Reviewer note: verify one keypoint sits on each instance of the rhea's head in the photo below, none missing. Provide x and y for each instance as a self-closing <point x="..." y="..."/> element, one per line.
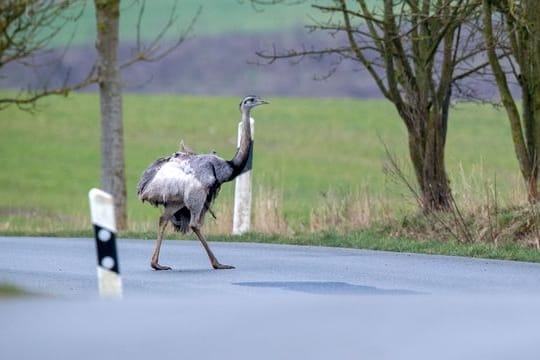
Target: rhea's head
<point x="251" y="101"/>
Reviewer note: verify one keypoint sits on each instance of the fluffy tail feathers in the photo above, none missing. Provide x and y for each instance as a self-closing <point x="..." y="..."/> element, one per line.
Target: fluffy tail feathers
<point x="181" y="220"/>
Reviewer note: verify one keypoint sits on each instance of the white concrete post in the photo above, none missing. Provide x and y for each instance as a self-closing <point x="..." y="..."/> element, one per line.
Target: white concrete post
<point x="103" y="221"/>
<point x="242" y="192"/>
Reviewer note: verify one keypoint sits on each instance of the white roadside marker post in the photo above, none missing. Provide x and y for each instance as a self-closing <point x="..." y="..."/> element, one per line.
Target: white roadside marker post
<point x="108" y="271"/>
<point x="242" y="191"/>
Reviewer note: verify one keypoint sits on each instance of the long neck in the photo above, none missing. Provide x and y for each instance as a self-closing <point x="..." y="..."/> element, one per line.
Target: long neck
<point x="238" y="163"/>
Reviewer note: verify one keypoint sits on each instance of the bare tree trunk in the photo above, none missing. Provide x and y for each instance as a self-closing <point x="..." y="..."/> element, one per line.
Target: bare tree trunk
<point x="414" y="51"/>
<point x="426" y="149"/>
<point x="522" y="27"/>
<point x="533" y="10"/>
<point x="112" y="139"/>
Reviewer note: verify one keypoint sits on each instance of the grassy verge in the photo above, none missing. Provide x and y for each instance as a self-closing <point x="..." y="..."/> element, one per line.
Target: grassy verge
<point x="8" y="291"/>
<point x="373" y="239"/>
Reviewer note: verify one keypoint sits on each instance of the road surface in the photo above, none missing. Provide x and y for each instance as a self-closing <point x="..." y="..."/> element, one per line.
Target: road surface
<point x="281" y="302"/>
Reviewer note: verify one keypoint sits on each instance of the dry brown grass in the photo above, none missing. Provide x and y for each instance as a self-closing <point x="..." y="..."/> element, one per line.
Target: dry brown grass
<point x="336" y="212"/>
<point x="222" y="224"/>
<point x="268" y="216"/>
<point x="345" y="213"/>
<point x="480" y="214"/>
<point x="517" y="225"/>
<point x="30" y="220"/>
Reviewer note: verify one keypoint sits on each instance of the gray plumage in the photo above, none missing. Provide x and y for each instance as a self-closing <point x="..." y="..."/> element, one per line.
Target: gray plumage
<point x="210" y="171"/>
<point x="186" y="184"/>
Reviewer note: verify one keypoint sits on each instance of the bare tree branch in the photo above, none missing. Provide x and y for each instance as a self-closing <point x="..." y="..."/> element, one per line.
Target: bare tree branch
<point x="28" y="28"/>
<point x="415" y="51"/>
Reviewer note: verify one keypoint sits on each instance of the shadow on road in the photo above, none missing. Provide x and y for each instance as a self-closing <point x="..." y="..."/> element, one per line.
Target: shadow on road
<point x="327" y="288"/>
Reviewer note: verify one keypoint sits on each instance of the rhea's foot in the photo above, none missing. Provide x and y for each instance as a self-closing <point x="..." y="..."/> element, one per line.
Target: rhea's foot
<point x="156" y="266"/>
<point x="219" y="266"/>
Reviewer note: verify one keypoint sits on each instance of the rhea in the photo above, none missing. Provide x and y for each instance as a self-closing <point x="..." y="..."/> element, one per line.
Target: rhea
<point x="185" y="184"/>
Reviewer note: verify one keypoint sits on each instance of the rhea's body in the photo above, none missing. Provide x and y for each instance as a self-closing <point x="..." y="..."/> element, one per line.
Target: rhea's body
<point x="186" y="184"/>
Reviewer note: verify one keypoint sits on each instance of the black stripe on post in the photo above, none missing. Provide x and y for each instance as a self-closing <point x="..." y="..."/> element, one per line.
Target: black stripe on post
<point x="106" y="248"/>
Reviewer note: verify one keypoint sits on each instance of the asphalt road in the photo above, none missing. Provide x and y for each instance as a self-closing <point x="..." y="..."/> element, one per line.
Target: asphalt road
<point x="281" y="302"/>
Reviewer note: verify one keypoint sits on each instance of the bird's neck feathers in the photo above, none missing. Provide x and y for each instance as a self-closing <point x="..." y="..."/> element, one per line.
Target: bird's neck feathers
<point x="240" y="159"/>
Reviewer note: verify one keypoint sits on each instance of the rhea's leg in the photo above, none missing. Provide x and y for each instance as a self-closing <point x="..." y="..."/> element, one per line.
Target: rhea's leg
<point x="215" y="263"/>
<point x="163" y="221"/>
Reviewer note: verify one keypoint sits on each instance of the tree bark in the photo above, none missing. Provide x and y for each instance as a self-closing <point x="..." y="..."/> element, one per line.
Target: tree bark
<point x="523" y="30"/>
<point x="422" y="105"/>
<point x="426" y="150"/>
<point x="110" y="89"/>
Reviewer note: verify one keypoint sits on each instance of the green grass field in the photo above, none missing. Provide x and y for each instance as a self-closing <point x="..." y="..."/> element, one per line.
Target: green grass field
<point x="304" y="150"/>
<point x="215" y="17"/>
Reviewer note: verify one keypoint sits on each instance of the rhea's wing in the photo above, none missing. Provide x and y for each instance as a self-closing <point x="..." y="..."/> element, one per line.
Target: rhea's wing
<point x="210" y="168"/>
<point x="211" y="171"/>
<point x="150" y="172"/>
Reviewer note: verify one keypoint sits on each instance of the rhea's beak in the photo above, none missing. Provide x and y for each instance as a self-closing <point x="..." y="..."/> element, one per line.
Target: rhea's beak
<point x="261" y="101"/>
